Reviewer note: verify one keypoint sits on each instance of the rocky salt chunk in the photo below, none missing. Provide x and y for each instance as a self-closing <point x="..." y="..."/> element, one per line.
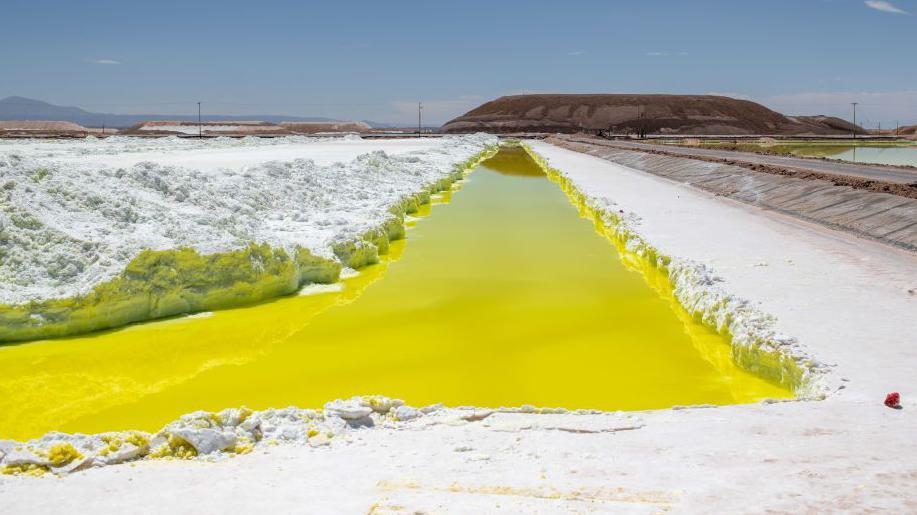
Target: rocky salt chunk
<point x="126" y="452"/>
<point x="351" y="409"/>
<point x="405" y="413"/>
<point x="25" y="457"/>
<point x="207" y="441"/>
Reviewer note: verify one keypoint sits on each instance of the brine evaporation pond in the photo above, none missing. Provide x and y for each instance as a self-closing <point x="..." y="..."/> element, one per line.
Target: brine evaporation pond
<point x="501" y="295"/>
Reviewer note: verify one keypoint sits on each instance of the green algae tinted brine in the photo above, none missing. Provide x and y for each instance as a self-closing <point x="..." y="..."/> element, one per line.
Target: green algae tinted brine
<point x="502" y="296"/>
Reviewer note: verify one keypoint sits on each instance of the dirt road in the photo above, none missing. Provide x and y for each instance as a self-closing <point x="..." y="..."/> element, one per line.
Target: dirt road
<point x="815" y="197"/>
<point x="874" y="172"/>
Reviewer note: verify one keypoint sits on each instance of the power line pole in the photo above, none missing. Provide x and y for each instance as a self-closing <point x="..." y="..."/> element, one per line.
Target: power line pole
<point x="642" y="116"/>
<point x="419" y="117"/>
<point x="200" y="130"/>
<point x="854" y="119"/>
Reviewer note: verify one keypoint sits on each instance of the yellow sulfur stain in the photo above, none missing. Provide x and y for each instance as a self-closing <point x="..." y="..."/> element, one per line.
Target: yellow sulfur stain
<point x="63" y="453"/>
<point x="243" y="446"/>
<point x="175" y="447"/>
<point x="505" y="296"/>
<point x="24" y="470"/>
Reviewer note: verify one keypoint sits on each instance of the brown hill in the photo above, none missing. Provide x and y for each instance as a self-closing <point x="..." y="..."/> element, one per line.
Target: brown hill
<point x="827" y="123"/>
<point x="40" y="128"/>
<point x="905" y="131"/>
<point x="656" y="114"/>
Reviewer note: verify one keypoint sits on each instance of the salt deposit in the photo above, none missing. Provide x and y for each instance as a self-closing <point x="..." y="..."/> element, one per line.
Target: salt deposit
<point x="194" y="129"/>
<point x="76" y="213"/>
<point x="209" y="154"/>
<point x="229" y="432"/>
<point x="756" y="343"/>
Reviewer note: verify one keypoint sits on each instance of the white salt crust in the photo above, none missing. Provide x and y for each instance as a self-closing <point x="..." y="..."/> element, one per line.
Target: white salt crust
<point x="74" y="214"/>
<point x="699" y="290"/>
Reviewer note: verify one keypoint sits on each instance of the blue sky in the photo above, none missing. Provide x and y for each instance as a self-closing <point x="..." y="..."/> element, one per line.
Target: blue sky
<point x="375" y="60"/>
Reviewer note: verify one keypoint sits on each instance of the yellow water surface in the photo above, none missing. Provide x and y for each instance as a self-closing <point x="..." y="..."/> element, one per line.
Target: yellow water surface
<point x="501" y="295"/>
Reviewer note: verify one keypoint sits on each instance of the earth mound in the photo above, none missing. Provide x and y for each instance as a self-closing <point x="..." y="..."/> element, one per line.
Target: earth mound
<point x="625" y="113"/>
<point x="828" y="123"/>
<point x="905" y="131"/>
<point x="41" y="128"/>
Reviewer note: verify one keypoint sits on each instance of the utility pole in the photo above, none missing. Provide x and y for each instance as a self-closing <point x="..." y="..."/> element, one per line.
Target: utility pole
<point x="641" y="110"/>
<point x="854" y="119"/>
<point x="897" y="125"/>
<point x="200" y="130"/>
<point x="419" y="117"/>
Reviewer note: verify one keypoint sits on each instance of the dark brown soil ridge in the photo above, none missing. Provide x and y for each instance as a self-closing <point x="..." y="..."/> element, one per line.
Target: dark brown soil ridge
<point x="631" y="114"/>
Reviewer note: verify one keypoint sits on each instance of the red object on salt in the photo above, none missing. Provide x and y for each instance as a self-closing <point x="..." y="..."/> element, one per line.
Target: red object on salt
<point x="893" y="400"/>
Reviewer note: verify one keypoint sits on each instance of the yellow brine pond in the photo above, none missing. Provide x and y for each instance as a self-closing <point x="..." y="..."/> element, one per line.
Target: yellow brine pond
<point x="501" y="295"/>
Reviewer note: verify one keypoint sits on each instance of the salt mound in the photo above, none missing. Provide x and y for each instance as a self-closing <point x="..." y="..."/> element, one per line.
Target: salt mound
<point x="70" y="224"/>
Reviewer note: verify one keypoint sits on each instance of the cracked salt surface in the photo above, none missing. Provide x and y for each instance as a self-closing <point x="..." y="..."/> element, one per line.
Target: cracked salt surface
<point x="74" y="214"/>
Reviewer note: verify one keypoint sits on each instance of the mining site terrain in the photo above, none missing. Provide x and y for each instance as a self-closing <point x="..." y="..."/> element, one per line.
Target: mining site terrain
<point x="813" y="281"/>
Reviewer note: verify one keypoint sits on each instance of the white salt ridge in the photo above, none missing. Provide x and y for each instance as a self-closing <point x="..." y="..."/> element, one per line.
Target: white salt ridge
<point x="697" y="288"/>
<point x="208" y="155"/>
<point x="116" y="145"/>
<point x="240" y="430"/>
<point x="193" y="129"/>
<point x="70" y="220"/>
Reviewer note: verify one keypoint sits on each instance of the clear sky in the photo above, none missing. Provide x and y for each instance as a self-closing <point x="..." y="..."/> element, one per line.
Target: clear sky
<point x="375" y="60"/>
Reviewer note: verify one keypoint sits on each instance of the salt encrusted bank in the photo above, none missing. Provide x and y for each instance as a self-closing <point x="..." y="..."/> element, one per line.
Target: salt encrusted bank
<point x="757" y="345"/>
<point x="227" y="433"/>
<point x="95" y="235"/>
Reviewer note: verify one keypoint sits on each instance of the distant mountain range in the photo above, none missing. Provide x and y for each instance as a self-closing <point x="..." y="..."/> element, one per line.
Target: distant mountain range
<point x="21" y="108"/>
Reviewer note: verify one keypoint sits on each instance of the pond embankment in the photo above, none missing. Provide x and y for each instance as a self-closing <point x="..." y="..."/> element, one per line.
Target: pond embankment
<point x="884" y="217"/>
